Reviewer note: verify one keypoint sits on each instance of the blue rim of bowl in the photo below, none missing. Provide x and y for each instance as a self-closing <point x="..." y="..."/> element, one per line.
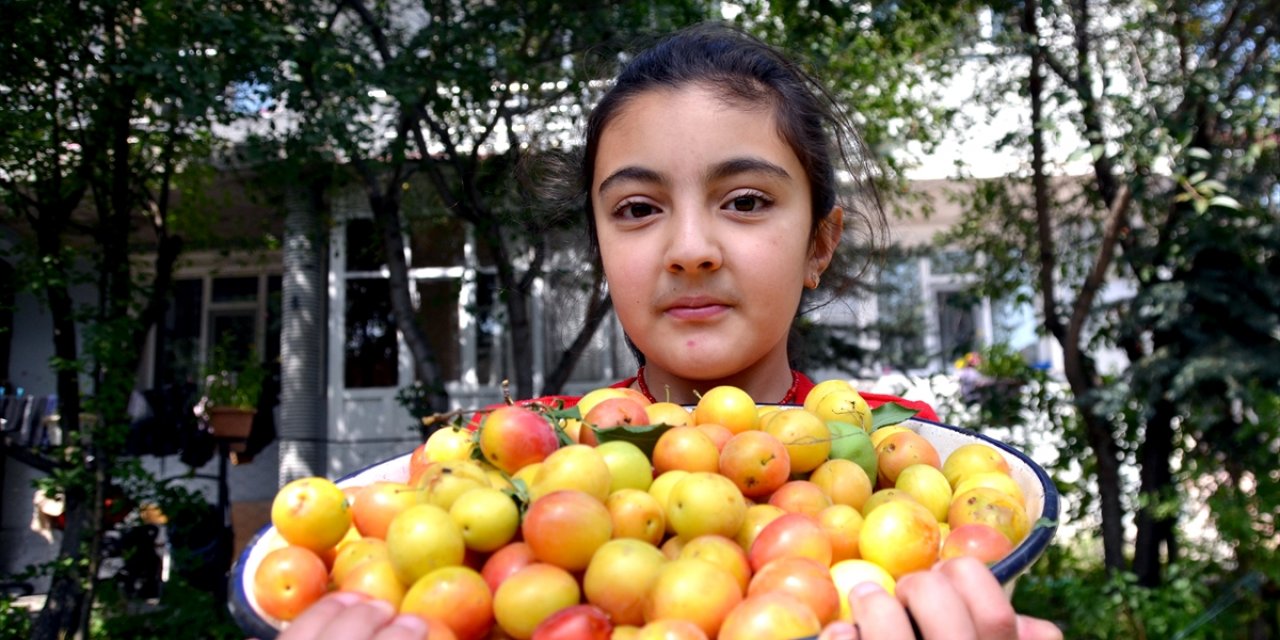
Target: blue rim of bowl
<point x="1042" y="531"/>
<point x="1008" y="568"/>
<point x="238" y="600"/>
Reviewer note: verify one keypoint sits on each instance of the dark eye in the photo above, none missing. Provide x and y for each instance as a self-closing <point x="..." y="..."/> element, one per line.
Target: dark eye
<point x="746" y="203"/>
<point x="637" y="210"/>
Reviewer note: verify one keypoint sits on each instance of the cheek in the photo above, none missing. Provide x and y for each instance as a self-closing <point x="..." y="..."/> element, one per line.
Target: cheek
<point x="623" y="272"/>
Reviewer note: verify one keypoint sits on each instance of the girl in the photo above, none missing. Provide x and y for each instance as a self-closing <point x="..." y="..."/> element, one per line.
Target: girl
<point x="710" y="173"/>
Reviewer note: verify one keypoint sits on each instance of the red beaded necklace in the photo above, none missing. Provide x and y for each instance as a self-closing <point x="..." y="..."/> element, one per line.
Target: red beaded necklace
<point x="788" y="398"/>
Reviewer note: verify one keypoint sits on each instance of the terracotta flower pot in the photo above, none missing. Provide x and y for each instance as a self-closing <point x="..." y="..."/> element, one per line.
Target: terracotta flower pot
<point x="230" y="422"/>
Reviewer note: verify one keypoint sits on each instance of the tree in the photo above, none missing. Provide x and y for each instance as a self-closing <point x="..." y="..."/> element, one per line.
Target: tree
<point x="454" y="93"/>
<point x="1176" y="105"/>
<point x="106" y="118"/>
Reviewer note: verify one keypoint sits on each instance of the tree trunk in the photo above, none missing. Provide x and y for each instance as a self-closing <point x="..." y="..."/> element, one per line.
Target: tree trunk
<point x="1110" y="487"/>
<point x="1156" y="479"/>
<point x="66" y="592"/>
<point x="386" y="211"/>
<point x="515" y="297"/>
<point x="1079" y="371"/>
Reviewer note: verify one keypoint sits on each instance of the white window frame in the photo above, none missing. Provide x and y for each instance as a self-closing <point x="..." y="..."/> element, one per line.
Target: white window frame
<point x="207" y="268"/>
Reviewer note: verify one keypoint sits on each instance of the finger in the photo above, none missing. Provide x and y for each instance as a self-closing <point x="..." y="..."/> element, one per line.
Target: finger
<point x="877" y="614"/>
<point x="838" y="630"/>
<point x="360" y="620"/>
<point x="940" y="611"/>
<point x="319" y="615"/>
<point x="403" y="627"/>
<point x="993" y="616"/>
<point x="1036" y="629"/>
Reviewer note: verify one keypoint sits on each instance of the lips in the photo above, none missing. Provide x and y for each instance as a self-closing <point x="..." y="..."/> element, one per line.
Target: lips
<point x="696" y="307"/>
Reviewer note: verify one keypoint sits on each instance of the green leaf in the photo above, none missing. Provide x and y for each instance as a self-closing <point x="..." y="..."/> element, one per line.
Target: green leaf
<point x="643" y="436"/>
<point x="1199" y="153"/>
<point x="572" y="413"/>
<point x="1224" y="201"/>
<point x="520" y="493"/>
<point x="890" y="413"/>
<point x="1044" y="523"/>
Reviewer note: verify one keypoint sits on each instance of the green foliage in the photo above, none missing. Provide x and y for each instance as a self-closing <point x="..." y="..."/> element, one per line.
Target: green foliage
<point x="416" y="399"/>
<point x="15" y="621"/>
<point x="1184" y="420"/>
<point x="1197" y="600"/>
<point x="182" y="611"/>
<point x="106" y="116"/>
<point x="231" y="381"/>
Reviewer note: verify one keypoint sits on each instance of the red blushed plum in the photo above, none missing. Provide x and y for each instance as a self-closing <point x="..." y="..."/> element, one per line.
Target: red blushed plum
<point x="579" y="622"/>
<point x="694" y="590"/>
<point x="512" y="437"/>
<point x="808" y="580"/>
<point x="790" y="535"/>
<point x="565" y="528"/>
<point x="800" y="496"/>
<point x="756" y="462"/>
<point x="610" y="414"/>
<point x="770" y="616"/>
<point x="687" y="449"/>
<point x="456" y="596"/>
<point x="506" y="561"/>
<point x="976" y="540"/>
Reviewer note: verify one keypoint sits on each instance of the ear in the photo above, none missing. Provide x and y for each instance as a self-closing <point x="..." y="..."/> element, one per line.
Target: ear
<point x="823" y="247"/>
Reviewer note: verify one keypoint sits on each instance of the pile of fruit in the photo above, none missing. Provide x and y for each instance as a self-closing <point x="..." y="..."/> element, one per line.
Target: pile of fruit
<point x="628" y="519"/>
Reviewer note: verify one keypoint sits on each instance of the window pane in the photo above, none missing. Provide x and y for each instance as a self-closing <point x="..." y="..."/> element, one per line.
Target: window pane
<point x="436" y="241"/>
<point x="438" y="316"/>
<point x="372" y="351"/>
<point x="274" y="324"/>
<point x="364" y="246"/>
<point x="241" y="289"/>
<point x="956" y="324"/>
<point x="178" y="340"/>
<point x="899" y="321"/>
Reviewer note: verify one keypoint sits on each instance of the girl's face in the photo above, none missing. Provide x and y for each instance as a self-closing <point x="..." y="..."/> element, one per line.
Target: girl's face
<point x="702" y="214"/>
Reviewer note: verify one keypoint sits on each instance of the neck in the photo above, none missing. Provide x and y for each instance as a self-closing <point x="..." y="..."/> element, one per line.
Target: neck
<point x="772" y="385"/>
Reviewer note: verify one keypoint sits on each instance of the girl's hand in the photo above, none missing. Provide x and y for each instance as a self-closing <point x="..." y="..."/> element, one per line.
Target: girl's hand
<point x="351" y="616"/>
<point x="957" y="599"/>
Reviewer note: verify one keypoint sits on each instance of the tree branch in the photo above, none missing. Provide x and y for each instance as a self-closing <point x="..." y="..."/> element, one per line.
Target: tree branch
<point x="371" y="22"/>
<point x="1117" y="219"/>
<point x="597" y="310"/>
<point x="447" y="195"/>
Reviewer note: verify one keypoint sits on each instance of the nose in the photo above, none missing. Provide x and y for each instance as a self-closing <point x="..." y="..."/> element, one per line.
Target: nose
<point x="693" y="244"/>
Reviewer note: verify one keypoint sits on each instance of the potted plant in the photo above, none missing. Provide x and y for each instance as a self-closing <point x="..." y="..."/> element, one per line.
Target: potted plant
<point x="231" y="391"/>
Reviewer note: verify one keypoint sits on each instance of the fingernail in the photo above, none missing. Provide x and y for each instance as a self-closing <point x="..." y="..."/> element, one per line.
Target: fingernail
<point x="347" y="597"/>
<point x="410" y="622"/>
<point x="383" y="606"/>
<point x="863" y="589"/>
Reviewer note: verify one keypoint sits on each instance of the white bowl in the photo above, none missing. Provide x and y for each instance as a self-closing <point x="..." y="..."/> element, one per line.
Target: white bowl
<point x="1040" y="492"/>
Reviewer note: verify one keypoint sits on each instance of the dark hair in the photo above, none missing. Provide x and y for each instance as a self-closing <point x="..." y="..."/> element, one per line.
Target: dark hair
<point x="749" y="71"/>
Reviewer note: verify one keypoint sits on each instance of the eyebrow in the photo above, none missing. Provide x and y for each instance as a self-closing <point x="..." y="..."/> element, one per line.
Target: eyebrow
<point x="748" y="164"/>
<point x="721" y="170"/>
<point x="633" y="173"/>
